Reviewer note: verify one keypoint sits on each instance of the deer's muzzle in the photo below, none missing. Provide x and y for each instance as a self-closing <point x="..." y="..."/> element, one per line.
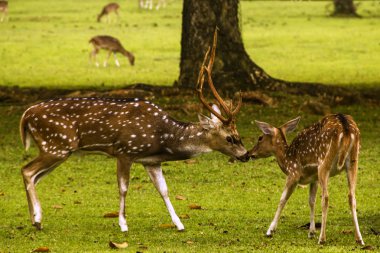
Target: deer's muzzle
<point x="243" y="158"/>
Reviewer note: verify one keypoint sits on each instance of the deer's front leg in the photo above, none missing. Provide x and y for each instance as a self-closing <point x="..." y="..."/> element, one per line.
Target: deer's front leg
<point x="312" y="195"/>
<point x="123" y="172"/>
<point x="289" y="188"/>
<point x="155" y="174"/>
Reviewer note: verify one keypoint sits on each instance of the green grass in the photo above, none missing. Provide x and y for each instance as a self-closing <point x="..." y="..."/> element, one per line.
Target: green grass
<point x="239" y="200"/>
<point x="45" y="43"/>
<point x="291" y="40"/>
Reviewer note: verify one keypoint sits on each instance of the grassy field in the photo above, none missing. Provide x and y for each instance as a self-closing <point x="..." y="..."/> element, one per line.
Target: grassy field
<point x="46" y="44"/>
<point x="238" y="200"/>
<point x="291" y="40"/>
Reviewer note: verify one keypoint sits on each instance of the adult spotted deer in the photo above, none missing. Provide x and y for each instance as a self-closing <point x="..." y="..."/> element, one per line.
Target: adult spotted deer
<point x="131" y="130"/>
<point x="320" y="151"/>
<point x="148" y="4"/>
<point x="113" y="46"/>
<point x="3" y="9"/>
<point x="107" y="10"/>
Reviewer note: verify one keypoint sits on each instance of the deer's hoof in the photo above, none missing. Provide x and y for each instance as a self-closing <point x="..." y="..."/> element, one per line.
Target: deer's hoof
<point x="311" y="235"/>
<point x="38" y="225"/>
<point x="321" y="242"/>
<point x="360" y="242"/>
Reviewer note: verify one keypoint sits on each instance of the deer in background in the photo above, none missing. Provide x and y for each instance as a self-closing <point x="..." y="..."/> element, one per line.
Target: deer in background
<point x="148" y="4"/>
<point x="107" y="10"/>
<point x="320" y="151"/>
<point x="3" y="9"/>
<point x="131" y="130"/>
<point x="113" y="46"/>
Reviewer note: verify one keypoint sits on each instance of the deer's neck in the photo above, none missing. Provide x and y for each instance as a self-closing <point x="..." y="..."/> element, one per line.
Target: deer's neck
<point x="282" y="154"/>
<point x="185" y="138"/>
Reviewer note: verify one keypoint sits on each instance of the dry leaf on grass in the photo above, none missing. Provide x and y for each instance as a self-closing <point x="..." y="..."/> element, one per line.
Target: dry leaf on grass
<point x="190" y="161"/>
<point x="368" y="247"/>
<point x="57" y="207"/>
<point x="111" y="215"/>
<point x="184" y="216"/>
<point x="348" y="231"/>
<point x="169" y="225"/>
<point x="180" y="197"/>
<point x="115" y="245"/>
<point x="41" y="249"/>
<point x="195" y="206"/>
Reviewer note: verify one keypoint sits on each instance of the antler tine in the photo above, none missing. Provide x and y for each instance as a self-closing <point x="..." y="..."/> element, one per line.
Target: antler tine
<point x="199" y="89"/>
<point x="237" y="109"/>
<point x="210" y="82"/>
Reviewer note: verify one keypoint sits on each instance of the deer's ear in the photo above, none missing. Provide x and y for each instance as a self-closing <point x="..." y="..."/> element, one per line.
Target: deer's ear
<point x="213" y="117"/>
<point x="206" y="122"/>
<point x="291" y="125"/>
<point x="265" y="127"/>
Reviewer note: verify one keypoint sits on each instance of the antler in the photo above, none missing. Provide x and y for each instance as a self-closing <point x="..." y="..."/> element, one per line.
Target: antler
<point x="227" y="109"/>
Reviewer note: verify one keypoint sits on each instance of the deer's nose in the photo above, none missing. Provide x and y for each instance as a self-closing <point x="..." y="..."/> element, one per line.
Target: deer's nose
<point x="244" y="158"/>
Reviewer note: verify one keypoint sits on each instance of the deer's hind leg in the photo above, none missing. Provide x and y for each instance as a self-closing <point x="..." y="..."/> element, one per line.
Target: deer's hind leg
<point x="32" y="173"/>
<point x="312" y="196"/>
<point x="352" y="169"/>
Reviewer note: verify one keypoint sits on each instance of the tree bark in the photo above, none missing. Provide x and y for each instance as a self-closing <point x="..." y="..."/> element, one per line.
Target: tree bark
<point x="233" y="68"/>
<point x="344" y="8"/>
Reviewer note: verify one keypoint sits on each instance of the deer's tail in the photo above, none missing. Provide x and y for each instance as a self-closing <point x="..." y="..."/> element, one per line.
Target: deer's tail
<point x="24" y="132"/>
<point x="346" y="140"/>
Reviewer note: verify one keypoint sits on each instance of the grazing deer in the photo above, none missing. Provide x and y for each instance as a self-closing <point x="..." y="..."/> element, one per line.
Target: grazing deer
<point x="3" y="9"/>
<point x="113" y="46"/>
<point x="131" y="130"/>
<point x="148" y="4"/>
<point x="109" y="8"/>
<point x="320" y="151"/>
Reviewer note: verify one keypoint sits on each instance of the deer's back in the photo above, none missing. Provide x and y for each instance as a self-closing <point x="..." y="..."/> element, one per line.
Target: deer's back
<point x="109" y="125"/>
<point x="106" y="42"/>
<point x="312" y="144"/>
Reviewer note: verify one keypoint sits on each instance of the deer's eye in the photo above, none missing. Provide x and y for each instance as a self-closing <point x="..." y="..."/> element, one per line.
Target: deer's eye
<point x="260" y="138"/>
<point x="230" y="139"/>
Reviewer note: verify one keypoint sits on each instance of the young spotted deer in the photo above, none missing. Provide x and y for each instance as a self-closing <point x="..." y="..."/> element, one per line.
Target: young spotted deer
<point x="107" y="10"/>
<point x="113" y="46"/>
<point x="131" y="130"/>
<point x="3" y="9"/>
<point x="320" y="151"/>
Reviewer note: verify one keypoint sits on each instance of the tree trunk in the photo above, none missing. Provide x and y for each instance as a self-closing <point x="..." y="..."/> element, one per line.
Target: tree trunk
<point x="233" y="69"/>
<point x="344" y="8"/>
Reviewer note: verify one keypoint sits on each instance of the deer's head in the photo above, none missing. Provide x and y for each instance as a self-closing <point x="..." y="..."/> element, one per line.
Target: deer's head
<point x="222" y="130"/>
<point x="273" y="138"/>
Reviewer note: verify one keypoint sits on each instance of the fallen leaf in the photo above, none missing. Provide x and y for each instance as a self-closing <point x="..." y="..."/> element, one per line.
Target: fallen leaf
<point x="77" y="202"/>
<point x="57" y="207"/>
<point x="115" y="245"/>
<point x="180" y="197"/>
<point x="189" y="242"/>
<point x="184" y="216"/>
<point x="111" y="215"/>
<point x="41" y="249"/>
<point x="368" y="247"/>
<point x="195" y="206"/>
<point x="190" y="161"/>
<point x="348" y="231"/>
<point x="168" y="225"/>
<point x="375" y="232"/>
<point x="137" y="187"/>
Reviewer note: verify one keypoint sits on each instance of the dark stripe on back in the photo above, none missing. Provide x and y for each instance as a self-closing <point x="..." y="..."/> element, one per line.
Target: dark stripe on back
<point x="345" y="123"/>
